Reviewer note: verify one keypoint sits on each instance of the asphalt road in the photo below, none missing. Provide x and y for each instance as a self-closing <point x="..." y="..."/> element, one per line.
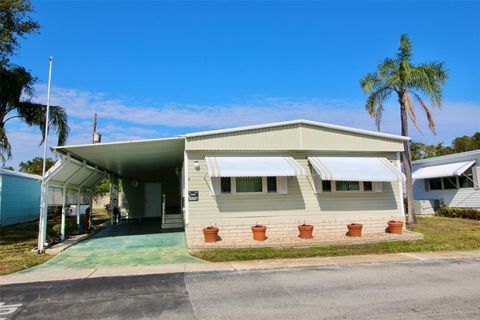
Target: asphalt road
<point x="414" y="290"/>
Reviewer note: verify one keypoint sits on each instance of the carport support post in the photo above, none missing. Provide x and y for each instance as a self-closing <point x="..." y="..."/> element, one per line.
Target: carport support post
<point x="64" y="202"/>
<point x="113" y="195"/>
<point x="78" y="207"/>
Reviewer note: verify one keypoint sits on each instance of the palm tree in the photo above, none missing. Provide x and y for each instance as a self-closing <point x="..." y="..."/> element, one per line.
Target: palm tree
<point x="409" y="82"/>
<point x="16" y="91"/>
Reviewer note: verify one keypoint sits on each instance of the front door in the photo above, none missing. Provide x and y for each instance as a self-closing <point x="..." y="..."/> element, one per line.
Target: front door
<point x="153" y="200"/>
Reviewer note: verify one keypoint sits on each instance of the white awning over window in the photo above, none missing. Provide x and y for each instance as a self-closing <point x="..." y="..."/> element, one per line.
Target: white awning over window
<point x="253" y="167"/>
<point x="355" y="169"/>
<point x="442" y="170"/>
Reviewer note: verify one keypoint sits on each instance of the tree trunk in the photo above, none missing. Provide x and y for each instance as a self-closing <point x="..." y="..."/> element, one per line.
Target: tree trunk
<point x="407" y="165"/>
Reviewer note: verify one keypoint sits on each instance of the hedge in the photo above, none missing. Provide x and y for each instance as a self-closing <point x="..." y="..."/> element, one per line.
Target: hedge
<point x="458" y="213"/>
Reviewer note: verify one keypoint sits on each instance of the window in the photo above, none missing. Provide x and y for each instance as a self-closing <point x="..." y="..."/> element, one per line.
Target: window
<point x="367" y="186"/>
<point x="347" y="186"/>
<point x="326" y="186"/>
<point x="449" y="183"/>
<point x="466" y="179"/>
<point x="226" y="185"/>
<point x="272" y="184"/>
<point x="435" y="184"/>
<point x="249" y="184"/>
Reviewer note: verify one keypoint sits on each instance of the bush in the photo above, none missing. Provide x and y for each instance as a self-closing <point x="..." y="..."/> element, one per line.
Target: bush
<point x="464" y="213"/>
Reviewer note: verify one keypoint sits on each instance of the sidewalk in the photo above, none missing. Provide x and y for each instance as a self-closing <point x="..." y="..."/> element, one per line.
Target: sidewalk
<point x="57" y="275"/>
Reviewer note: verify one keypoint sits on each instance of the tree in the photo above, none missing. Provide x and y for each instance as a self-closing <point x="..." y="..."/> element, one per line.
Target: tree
<point x="14" y="24"/>
<point x="8" y="168"/>
<point x="16" y="91"/>
<point x="407" y="82"/>
<point x="35" y="166"/>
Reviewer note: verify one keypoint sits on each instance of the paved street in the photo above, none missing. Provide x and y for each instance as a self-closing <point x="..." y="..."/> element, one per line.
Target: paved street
<point x="442" y="289"/>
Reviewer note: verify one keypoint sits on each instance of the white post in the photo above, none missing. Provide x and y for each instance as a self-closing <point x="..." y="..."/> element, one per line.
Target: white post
<point x="64" y="202"/>
<point x="42" y="223"/>
<point x="78" y="206"/>
<point x="185" y="194"/>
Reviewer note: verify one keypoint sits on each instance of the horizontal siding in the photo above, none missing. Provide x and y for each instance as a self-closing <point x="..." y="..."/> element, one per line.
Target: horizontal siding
<point x="463" y="197"/>
<point x="20" y="200"/>
<point x="293" y="137"/>
<point x="301" y="202"/>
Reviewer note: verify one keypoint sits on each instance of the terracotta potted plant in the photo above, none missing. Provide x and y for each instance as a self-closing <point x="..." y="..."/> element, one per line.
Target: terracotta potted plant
<point x="306" y="231"/>
<point x="210" y="233"/>
<point x="395" y="226"/>
<point x="354" y="229"/>
<point x="258" y="231"/>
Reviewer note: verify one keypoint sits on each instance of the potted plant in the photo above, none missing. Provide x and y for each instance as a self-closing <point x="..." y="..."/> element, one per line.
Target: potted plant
<point x="258" y="231"/>
<point x="210" y="234"/>
<point x="354" y="229"/>
<point x="395" y="226"/>
<point x="306" y="231"/>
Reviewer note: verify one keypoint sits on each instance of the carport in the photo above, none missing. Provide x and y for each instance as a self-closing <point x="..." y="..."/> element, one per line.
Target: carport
<point x="150" y="171"/>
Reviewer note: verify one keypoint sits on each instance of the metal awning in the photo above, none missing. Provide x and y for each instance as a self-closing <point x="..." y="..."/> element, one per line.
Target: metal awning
<point x="70" y="172"/>
<point x="253" y="167"/>
<point x="442" y="170"/>
<point x="355" y="169"/>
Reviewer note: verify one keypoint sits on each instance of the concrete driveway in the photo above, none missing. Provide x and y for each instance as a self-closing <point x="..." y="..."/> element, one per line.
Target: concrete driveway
<point x="133" y="243"/>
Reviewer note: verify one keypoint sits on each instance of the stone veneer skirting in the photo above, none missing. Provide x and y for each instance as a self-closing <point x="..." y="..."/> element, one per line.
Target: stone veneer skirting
<point x="234" y="231"/>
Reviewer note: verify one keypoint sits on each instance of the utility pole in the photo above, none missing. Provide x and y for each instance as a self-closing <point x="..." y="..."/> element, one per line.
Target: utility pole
<point x="94" y="127"/>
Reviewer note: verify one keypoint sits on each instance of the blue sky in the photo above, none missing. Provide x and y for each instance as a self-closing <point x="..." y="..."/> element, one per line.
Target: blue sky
<point x="156" y="69"/>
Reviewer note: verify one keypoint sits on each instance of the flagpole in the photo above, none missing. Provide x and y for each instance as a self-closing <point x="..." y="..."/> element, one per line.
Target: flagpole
<point x="44" y="192"/>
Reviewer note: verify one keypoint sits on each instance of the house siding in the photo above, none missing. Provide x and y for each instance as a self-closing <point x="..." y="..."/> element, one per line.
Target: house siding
<point x="20" y="200"/>
<point x="293" y="137"/>
<point x="463" y="197"/>
<point x="300" y="204"/>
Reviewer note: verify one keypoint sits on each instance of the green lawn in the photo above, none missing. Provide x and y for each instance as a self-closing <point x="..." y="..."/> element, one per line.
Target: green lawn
<point x="18" y="241"/>
<point x="440" y="234"/>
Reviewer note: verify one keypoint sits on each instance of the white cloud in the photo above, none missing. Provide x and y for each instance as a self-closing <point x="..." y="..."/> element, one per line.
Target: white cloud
<point x="121" y="120"/>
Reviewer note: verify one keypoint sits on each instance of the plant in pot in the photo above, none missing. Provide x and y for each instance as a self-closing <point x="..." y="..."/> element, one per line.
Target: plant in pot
<point x="305" y="230"/>
<point x="354" y="229"/>
<point x="258" y="232"/>
<point x="210" y="233"/>
<point x="395" y="226"/>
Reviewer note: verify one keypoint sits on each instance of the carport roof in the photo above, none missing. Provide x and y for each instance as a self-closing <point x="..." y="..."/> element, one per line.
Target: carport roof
<point x="131" y="159"/>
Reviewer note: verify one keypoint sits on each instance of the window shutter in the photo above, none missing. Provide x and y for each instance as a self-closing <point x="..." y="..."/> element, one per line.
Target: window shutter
<point x="427" y="184"/>
<point x="216" y="185"/>
<point x="378" y="186"/>
<point x="282" y="185"/>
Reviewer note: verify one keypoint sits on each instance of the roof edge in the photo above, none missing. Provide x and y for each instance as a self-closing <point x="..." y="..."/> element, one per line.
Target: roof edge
<point x="300" y="121"/>
<point x="20" y="174"/>
<point x="448" y="156"/>
<point x="181" y="137"/>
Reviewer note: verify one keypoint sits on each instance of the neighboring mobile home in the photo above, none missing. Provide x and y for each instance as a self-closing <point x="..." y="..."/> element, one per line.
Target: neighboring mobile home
<point x="279" y="174"/>
<point x="19" y="197"/>
<point x="451" y="180"/>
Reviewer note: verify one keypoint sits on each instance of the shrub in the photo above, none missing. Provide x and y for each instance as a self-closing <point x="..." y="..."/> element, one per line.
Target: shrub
<point x="465" y="213"/>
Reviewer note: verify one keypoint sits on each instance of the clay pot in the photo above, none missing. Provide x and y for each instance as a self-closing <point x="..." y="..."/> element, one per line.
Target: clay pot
<point x="259" y="232"/>
<point x="395" y="226"/>
<point x="306" y="231"/>
<point x="210" y="234"/>
<point x="354" y="229"/>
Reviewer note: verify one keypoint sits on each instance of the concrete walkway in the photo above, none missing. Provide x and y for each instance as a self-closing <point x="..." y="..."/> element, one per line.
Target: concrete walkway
<point x="50" y="275"/>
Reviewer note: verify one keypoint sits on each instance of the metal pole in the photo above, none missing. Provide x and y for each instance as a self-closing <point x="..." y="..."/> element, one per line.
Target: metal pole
<point x="94" y="127"/>
<point x="42" y="223"/>
<point x="64" y="202"/>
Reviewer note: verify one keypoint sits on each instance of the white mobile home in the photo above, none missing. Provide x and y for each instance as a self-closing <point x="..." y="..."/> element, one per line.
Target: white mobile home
<point x="279" y="174"/>
<point x="451" y="180"/>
